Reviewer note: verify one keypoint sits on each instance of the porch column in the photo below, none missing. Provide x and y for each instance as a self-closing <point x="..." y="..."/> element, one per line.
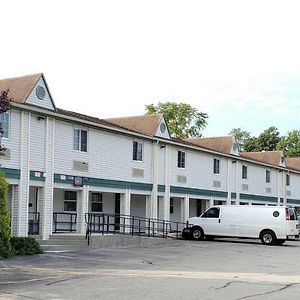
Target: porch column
<point x="125" y="208"/>
<point x="211" y="201"/>
<point x="148" y="206"/>
<point x="47" y="192"/>
<point x="82" y="209"/>
<point x="237" y="182"/>
<point x="14" y="210"/>
<point x="185" y="208"/>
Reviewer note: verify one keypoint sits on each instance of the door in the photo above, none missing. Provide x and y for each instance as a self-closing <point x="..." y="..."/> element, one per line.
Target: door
<point x="117" y="211"/>
<point x="210" y="221"/>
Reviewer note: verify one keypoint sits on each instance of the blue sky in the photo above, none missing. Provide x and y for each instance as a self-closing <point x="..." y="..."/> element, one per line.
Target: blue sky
<point x="236" y="60"/>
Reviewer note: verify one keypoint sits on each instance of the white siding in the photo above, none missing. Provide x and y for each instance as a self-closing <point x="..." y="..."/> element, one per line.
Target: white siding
<point x="109" y="155"/>
<point x="34" y="100"/>
<point x="12" y="142"/>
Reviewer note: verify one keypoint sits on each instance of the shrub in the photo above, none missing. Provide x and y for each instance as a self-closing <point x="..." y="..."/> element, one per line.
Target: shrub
<point x="25" y="246"/>
<point x="5" y="246"/>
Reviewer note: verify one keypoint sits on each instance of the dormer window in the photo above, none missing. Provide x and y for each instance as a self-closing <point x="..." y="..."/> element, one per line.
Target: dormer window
<point x="4" y="123"/>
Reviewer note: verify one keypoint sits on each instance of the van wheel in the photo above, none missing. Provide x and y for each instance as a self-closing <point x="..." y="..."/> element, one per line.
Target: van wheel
<point x="197" y="233"/>
<point x="268" y="237"/>
<point x="279" y="242"/>
<point x="210" y="237"/>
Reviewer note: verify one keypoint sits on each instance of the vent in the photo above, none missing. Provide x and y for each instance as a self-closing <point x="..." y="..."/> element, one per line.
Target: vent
<point x="288" y="193"/>
<point x="181" y="179"/>
<point x="5" y="154"/>
<point x="268" y="190"/>
<point x="80" y="166"/>
<point x="245" y="187"/>
<point x="217" y="183"/>
<point x="137" y="172"/>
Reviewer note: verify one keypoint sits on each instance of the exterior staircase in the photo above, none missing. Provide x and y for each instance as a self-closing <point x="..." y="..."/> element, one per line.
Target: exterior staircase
<point x="63" y="242"/>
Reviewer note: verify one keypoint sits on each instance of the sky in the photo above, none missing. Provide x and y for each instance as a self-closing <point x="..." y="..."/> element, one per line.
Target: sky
<point x="238" y="61"/>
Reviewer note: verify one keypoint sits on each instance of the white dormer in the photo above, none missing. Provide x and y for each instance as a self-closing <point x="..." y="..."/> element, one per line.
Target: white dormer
<point x="234" y="147"/>
<point x="40" y="95"/>
<point x="282" y="162"/>
<point x="162" y="129"/>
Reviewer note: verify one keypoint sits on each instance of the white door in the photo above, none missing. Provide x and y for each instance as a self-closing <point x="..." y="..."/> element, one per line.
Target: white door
<point x="210" y="221"/>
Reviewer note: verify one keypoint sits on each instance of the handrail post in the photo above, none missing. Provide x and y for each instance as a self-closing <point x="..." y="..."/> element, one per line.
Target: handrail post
<point x="149" y="227"/>
<point x="132" y="225"/>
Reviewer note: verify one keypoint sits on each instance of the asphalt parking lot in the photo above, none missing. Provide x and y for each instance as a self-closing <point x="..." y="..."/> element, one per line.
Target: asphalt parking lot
<point x="221" y="269"/>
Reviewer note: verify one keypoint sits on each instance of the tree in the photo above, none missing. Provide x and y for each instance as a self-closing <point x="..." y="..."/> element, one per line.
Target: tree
<point x="268" y="139"/>
<point x="183" y="120"/>
<point x="290" y="144"/>
<point x="240" y="137"/>
<point x="5" y="246"/>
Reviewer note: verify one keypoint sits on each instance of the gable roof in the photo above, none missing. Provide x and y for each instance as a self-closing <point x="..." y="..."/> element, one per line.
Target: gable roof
<point x="293" y="163"/>
<point x="269" y="157"/>
<point x="220" y="144"/>
<point x="20" y="87"/>
<point x="146" y="124"/>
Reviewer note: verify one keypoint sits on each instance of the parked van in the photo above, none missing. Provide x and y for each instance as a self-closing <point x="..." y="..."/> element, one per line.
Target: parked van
<point x="271" y="224"/>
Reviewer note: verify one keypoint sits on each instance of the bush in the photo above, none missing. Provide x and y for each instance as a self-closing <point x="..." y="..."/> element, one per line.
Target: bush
<point x="25" y="246"/>
<point x="5" y="246"/>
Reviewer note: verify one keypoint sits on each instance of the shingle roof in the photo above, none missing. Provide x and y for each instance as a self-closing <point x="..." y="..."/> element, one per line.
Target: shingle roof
<point x="293" y="163"/>
<point x="146" y="124"/>
<point x="269" y="157"/>
<point x="220" y="144"/>
<point x="20" y="87"/>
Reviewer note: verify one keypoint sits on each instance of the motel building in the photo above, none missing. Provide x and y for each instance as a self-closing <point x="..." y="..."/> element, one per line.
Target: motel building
<point x="64" y="166"/>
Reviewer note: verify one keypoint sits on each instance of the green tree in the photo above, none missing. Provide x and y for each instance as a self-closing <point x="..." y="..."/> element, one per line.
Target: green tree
<point x="5" y="246"/>
<point x="290" y="144"/>
<point x="183" y="120"/>
<point x="250" y="144"/>
<point x="268" y="139"/>
<point x="241" y="136"/>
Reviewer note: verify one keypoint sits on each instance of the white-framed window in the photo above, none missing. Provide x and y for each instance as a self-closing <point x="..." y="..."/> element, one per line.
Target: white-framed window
<point x="216" y="166"/>
<point x="4" y="123"/>
<point x="181" y="159"/>
<point x="268" y="176"/>
<point x="288" y="179"/>
<point x="137" y="151"/>
<point x="80" y="140"/>
<point x="244" y="172"/>
<point x="70" y="201"/>
<point x="96" y="202"/>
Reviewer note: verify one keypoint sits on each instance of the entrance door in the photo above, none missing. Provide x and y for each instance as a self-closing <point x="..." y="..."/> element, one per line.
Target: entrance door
<point x="117" y="211"/>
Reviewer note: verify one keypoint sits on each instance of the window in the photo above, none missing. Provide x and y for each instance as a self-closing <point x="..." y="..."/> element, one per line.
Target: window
<point x="216" y="166"/>
<point x="287" y="179"/>
<point x="70" y="201"/>
<point x="213" y="212"/>
<point x="137" y="153"/>
<point x="244" y="172"/>
<point x="96" y="202"/>
<point x="4" y="121"/>
<point x="268" y="176"/>
<point x="80" y="140"/>
<point x="181" y="159"/>
<point x="171" y="205"/>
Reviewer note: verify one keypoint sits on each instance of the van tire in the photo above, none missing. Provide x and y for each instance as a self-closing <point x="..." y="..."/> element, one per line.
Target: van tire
<point x="268" y="237"/>
<point x="197" y="233"/>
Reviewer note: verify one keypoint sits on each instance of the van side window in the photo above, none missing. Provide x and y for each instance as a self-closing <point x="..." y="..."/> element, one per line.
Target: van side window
<point x="213" y="212"/>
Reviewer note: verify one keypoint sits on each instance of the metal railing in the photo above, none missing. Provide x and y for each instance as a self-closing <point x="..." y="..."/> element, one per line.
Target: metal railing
<point x="131" y="225"/>
<point x="64" y="222"/>
<point x="33" y="223"/>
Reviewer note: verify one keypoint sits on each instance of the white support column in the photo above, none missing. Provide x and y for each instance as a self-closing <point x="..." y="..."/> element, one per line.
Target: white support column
<point x="278" y="186"/>
<point x="165" y="203"/>
<point x="185" y="208"/>
<point x="284" y="188"/>
<point x="82" y="209"/>
<point x="237" y="182"/>
<point x="229" y="171"/>
<point x="125" y="206"/>
<point x="154" y="212"/>
<point x="23" y="189"/>
<point x="211" y="201"/>
<point x="148" y="206"/>
<point x="47" y="202"/>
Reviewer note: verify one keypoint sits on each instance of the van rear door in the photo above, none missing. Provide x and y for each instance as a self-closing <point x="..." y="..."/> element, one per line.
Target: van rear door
<point x="292" y="222"/>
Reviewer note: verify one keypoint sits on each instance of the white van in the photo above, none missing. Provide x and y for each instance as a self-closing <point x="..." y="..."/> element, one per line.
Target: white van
<point x="271" y="224"/>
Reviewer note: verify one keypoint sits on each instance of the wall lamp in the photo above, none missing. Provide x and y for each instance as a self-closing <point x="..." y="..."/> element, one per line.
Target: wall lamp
<point x="41" y="118"/>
